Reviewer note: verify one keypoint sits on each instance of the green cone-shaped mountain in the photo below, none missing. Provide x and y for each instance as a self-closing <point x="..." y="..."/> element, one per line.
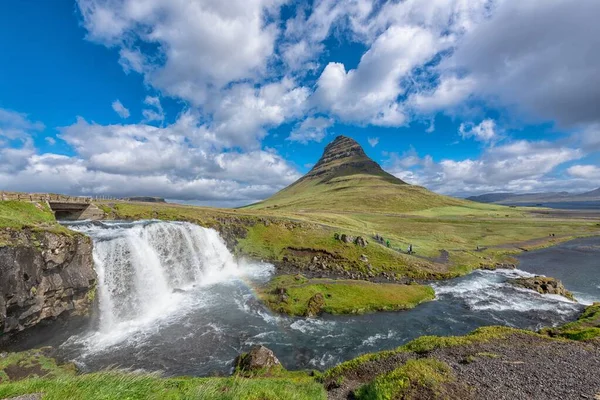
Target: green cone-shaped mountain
<point x="346" y="179"/>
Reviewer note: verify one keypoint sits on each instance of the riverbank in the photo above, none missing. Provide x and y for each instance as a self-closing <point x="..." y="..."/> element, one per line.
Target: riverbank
<point x="492" y="362"/>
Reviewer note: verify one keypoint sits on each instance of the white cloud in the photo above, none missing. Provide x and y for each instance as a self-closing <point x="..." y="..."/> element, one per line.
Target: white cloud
<point x="311" y="129"/>
<point x="183" y="160"/>
<point x="535" y="57"/>
<point x="591" y="172"/>
<point x="120" y="109"/>
<point x="17" y="126"/>
<point x="519" y="166"/>
<point x="369" y="93"/>
<point x="155" y="112"/>
<point x="240" y="116"/>
<point x="484" y="132"/>
<point x="373" y="141"/>
<point x="450" y="92"/>
<point x="197" y="47"/>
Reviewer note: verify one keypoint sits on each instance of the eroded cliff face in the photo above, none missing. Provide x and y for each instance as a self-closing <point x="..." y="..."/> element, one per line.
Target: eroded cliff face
<point x="43" y="275"/>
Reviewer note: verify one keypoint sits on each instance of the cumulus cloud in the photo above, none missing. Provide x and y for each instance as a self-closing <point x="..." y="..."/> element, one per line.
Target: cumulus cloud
<point x="537" y="57"/>
<point x="311" y="130"/>
<point x="183" y="160"/>
<point x="517" y="166"/>
<point x="120" y="109"/>
<point x="243" y="112"/>
<point x="591" y="172"/>
<point x="369" y="93"/>
<point x="198" y="46"/>
<point x="484" y="132"/>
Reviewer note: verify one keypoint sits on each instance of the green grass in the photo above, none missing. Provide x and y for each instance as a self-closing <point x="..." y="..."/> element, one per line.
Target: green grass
<point x="33" y="217"/>
<point x="424" y="373"/>
<point x="586" y="327"/>
<point x="342" y="296"/>
<point x="21" y="214"/>
<point x="35" y="361"/>
<point x="129" y="386"/>
<point x="61" y="382"/>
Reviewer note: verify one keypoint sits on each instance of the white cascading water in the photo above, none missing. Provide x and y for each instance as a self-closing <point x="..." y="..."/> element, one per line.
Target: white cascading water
<point x="140" y="268"/>
<point x="143" y="268"/>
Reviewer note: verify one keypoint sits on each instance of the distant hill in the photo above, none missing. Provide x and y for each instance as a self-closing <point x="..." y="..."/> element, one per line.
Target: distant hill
<point x="146" y="199"/>
<point x="550" y="197"/>
<point x="346" y="179"/>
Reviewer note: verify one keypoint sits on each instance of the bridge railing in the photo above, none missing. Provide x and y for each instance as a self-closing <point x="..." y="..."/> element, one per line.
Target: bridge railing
<point x="49" y="197"/>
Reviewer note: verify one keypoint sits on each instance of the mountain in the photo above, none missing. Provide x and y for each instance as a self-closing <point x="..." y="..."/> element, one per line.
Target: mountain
<point x="491" y="197"/>
<point x="594" y="194"/>
<point x="527" y="198"/>
<point x="346" y="179"/>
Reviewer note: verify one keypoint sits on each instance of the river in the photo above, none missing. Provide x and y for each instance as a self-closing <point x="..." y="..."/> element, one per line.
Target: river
<point x="172" y="298"/>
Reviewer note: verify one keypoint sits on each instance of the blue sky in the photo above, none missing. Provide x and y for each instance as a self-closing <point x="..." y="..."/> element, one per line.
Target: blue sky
<point x="224" y="104"/>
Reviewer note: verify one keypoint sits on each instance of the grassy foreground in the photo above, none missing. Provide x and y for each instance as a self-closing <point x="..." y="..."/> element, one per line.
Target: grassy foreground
<point x="34" y="372"/>
<point x="292" y="295"/>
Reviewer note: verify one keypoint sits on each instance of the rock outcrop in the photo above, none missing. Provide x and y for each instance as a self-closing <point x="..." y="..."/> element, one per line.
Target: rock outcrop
<point x="543" y="285"/>
<point x="315" y="305"/>
<point x="43" y="275"/>
<point x="259" y="358"/>
<point x="344" y="156"/>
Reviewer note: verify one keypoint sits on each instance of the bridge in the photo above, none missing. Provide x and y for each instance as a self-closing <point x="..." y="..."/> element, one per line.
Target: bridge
<point x="65" y="208"/>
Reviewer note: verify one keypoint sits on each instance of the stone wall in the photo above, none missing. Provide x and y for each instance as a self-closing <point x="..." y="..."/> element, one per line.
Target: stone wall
<point x="44" y="275"/>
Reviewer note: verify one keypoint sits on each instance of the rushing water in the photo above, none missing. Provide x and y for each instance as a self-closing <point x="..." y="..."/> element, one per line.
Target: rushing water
<point x="172" y="298"/>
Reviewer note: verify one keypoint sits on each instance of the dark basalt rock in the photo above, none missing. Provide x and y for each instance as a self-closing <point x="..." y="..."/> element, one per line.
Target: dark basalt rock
<point x="543" y="285"/>
<point x="344" y="156"/>
<point x="44" y="275"/>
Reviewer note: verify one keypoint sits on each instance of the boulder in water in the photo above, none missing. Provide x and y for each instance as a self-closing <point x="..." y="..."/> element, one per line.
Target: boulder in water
<point x="259" y="358"/>
<point x="177" y="290"/>
<point x="543" y="285"/>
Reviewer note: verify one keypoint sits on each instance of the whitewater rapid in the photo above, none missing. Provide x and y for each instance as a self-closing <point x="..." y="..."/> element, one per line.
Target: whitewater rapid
<point x="173" y="298"/>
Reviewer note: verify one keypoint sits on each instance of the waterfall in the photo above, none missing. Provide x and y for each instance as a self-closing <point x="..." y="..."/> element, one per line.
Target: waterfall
<point x="141" y="265"/>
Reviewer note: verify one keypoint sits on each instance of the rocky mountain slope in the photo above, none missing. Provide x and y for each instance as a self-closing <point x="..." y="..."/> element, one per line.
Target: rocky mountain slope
<point x="346" y="179"/>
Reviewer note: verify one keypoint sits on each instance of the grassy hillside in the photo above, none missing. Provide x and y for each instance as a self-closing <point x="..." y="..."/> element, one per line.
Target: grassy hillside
<point x="356" y="193"/>
<point x="346" y="179"/>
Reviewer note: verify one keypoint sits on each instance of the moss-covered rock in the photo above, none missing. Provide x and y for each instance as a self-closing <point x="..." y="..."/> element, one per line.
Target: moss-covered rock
<point x="315" y="305"/>
<point x="543" y="285"/>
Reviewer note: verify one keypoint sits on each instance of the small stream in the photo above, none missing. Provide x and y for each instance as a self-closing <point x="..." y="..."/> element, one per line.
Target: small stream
<point x="172" y="298"/>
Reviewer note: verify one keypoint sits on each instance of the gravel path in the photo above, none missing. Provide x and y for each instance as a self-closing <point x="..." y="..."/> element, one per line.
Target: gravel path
<point x="521" y="367"/>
